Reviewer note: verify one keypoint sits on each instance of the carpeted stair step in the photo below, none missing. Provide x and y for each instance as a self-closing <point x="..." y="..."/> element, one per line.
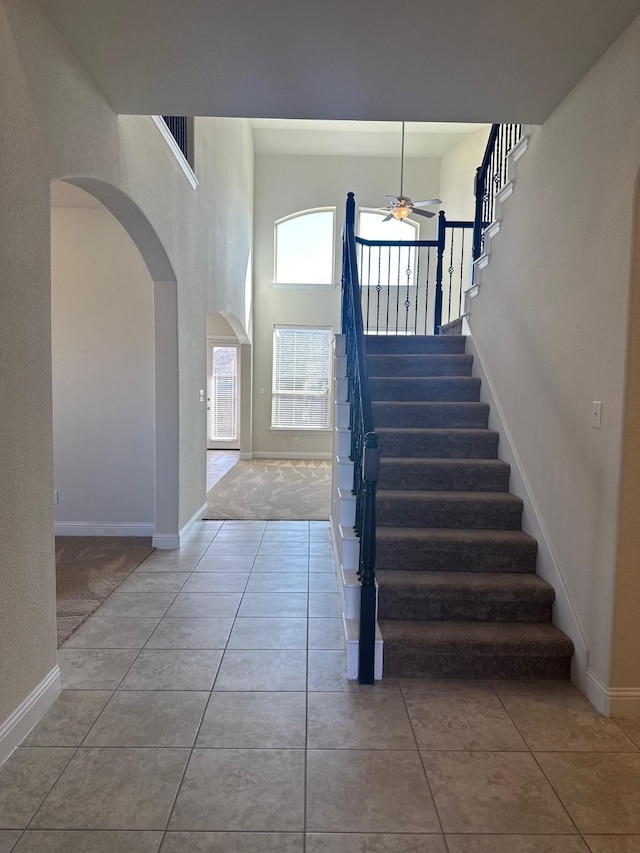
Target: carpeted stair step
<point x="433" y="364"/>
<point x="464" y="596"/>
<point x="449" y="550"/>
<point x="437" y="388"/>
<point x="429" y="415"/>
<point x="474" y="510"/>
<point x="420" y="344"/>
<point x="446" y="475"/>
<point x="439" y="443"/>
<point x="474" y="650"/>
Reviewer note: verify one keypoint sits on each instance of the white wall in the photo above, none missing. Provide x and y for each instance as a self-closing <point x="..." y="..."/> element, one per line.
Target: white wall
<point x="57" y="124"/>
<point x="551" y="325"/>
<point x="284" y="185"/>
<point x="103" y="374"/>
<point x="457" y="175"/>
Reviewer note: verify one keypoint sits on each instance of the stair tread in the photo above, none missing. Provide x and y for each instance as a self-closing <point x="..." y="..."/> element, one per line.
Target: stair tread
<point x="506" y="639"/>
<point x="451" y="496"/>
<point x="462" y="536"/>
<point x="435" y="431"/>
<point x="442" y="462"/>
<point x="499" y="586"/>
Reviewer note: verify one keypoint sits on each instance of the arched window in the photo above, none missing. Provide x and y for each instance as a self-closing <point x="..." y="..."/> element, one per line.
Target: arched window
<point x="397" y="263"/>
<point x="372" y="227"/>
<point x="304" y="247"/>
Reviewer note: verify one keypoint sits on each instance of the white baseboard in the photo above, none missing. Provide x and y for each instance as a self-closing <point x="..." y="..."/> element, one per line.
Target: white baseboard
<point x="166" y="542"/>
<point x="18" y="725"/>
<point x="104" y="528"/>
<point x="564" y="613"/>
<point x="612" y="701"/>
<point x="246" y="456"/>
<point x="282" y="455"/>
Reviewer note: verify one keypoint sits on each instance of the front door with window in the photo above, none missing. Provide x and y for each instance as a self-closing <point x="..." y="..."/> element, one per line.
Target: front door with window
<point x="222" y="396"/>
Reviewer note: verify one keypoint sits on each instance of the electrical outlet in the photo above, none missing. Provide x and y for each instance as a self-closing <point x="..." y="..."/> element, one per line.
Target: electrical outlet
<point x="55" y="496"/>
<point x="296" y="440"/>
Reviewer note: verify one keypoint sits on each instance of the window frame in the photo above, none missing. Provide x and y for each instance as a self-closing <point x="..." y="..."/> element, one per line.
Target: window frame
<point x="328" y="393"/>
<point x="296" y="215"/>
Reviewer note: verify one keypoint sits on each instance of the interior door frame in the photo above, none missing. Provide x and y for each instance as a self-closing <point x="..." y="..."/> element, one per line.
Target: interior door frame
<point x="222" y="341"/>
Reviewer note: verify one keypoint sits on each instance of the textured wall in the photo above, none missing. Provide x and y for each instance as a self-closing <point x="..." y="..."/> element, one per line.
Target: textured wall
<point x="57" y="124"/>
<point x="551" y="323"/>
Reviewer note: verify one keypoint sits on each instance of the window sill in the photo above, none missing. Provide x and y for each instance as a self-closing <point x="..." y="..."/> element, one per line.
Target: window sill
<point x="290" y="286"/>
<point x="300" y="429"/>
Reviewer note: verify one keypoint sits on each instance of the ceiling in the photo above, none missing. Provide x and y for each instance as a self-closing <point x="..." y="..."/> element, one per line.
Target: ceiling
<point x="419" y="60"/>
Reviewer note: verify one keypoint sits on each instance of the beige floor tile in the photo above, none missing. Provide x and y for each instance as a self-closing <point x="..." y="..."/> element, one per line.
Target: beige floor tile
<point x="278" y="582"/>
<point x="320" y="549"/>
<point x="205" y="604"/>
<point x="354" y="721"/>
<point x="283" y="548"/>
<point x="113" y="632"/>
<point x="273" y="604"/>
<point x="86" y="841"/>
<point x="323" y="604"/>
<point x="8" y="839"/>
<point x="225" y="564"/>
<point x="167" y="561"/>
<point x="287" y="563"/>
<point x="600" y="791"/>
<point x="528" y="687"/>
<point x="149" y="718"/>
<point x="450" y="721"/>
<point x="328" y="672"/>
<point x="411" y="686"/>
<point x="631" y="728"/>
<point x="136" y="604"/>
<point x="326" y="633"/>
<point x="322" y="564"/>
<point x="322" y="582"/>
<point x="565" y="723"/>
<point x="173" y="669"/>
<point x="191" y="633"/>
<point x="277" y="534"/>
<point x="494" y="792"/>
<point x="105" y="788"/>
<point x="254" y="721"/>
<point x="69" y="718"/>
<point x="397" y="796"/>
<point x="516" y="844"/>
<point x="233" y="547"/>
<point x="216" y="582"/>
<point x="262" y="669"/>
<point x="25" y="780"/>
<point x="194" y="547"/>
<point x="258" y="790"/>
<point x="239" y="535"/>
<point x="94" y="669"/>
<point x="233" y="842"/>
<point x="154" y="582"/>
<point x="613" y="843"/>
<point x="321" y="842"/>
<point x="269" y="633"/>
<point x="244" y="524"/>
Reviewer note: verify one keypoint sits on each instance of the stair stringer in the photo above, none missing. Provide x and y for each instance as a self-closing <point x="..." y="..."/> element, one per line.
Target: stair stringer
<point x="344" y="542"/>
<point x="548" y="568"/>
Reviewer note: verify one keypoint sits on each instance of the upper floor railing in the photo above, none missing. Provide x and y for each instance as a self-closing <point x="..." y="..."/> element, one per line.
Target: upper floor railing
<point x="491" y="177"/>
<point x="181" y="130"/>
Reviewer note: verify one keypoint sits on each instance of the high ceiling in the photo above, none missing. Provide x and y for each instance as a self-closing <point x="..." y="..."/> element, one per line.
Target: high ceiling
<point x="419" y="60"/>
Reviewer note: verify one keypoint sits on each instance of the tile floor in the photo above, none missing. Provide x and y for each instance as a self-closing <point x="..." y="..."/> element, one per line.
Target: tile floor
<point x="205" y="710"/>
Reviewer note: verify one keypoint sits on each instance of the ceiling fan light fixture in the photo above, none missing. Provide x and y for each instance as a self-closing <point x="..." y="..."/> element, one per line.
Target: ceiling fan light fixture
<point x="401" y="211"/>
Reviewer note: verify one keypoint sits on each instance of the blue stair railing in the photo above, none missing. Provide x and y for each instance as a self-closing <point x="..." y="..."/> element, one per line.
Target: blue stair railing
<point x="364" y="445"/>
<point x="491" y="177"/>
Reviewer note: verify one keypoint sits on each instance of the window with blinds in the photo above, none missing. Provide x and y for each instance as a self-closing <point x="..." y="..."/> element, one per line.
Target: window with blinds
<point x="223" y="394"/>
<point x="301" y="374"/>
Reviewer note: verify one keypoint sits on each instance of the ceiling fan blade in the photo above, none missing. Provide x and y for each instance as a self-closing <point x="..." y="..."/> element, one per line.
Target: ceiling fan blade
<point x="419" y="212"/>
<point x="427" y="203"/>
<point x="381" y="208"/>
<point x="387" y="218"/>
<point x="393" y="198"/>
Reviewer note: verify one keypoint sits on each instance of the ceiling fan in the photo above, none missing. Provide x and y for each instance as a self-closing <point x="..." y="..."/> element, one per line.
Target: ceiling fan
<point x="401" y="206"/>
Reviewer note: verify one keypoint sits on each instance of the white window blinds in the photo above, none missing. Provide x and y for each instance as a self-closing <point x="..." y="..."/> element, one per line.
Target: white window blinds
<point x="301" y="371"/>
<point x="223" y="393"/>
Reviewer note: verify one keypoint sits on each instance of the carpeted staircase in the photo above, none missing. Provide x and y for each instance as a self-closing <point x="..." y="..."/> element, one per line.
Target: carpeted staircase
<point x="458" y="593"/>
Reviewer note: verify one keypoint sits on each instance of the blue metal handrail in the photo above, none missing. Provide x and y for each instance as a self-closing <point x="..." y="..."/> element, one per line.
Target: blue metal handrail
<point x="491" y="176"/>
<point x="364" y="445"/>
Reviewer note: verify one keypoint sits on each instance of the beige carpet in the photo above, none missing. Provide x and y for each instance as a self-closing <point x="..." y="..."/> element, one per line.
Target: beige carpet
<point x="268" y="489"/>
<point x="88" y="569"/>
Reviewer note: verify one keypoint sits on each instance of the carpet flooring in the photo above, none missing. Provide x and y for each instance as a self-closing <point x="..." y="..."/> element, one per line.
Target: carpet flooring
<point x="273" y="489"/>
<point x="88" y="569"/>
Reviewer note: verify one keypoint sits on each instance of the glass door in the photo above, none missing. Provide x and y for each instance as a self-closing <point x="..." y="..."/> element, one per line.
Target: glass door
<point x="222" y="396"/>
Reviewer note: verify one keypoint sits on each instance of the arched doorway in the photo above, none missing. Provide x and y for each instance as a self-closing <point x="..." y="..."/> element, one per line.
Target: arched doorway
<point x="134" y="427"/>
